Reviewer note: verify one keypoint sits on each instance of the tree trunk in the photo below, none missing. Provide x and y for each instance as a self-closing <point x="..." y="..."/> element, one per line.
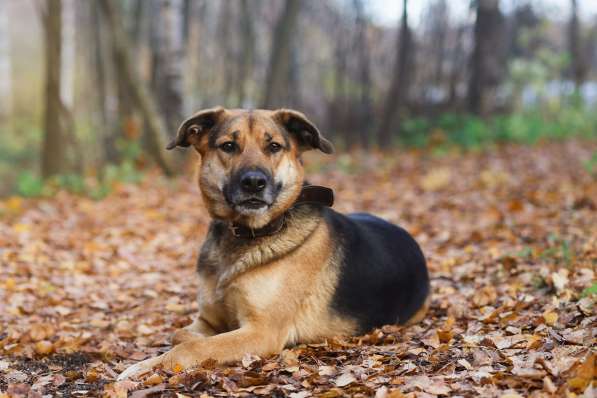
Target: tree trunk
<point x="439" y="30"/>
<point x="105" y="117"/>
<point x="397" y="95"/>
<point x="364" y="56"/>
<point x="140" y="95"/>
<point x="456" y="67"/>
<point x="577" y="65"/>
<point x="247" y="54"/>
<point x="487" y="60"/>
<point x="226" y="50"/>
<point x="54" y="143"/>
<point x="280" y="56"/>
<point x="5" y="65"/>
<point x="67" y="64"/>
<point x="168" y="61"/>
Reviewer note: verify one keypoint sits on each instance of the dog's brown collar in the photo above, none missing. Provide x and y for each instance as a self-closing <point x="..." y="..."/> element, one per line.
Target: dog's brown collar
<point x="310" y="194"/>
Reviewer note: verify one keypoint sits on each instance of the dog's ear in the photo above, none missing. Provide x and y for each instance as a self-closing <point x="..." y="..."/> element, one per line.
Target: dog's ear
<point x="195" y="126"/>
<point x="303" y="129"/>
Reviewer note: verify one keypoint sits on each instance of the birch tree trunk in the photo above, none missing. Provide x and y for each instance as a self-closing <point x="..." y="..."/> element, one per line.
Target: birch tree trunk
<point x="67" y="65"/>
<point x="5" y="65"/>
<point x="168" y="61"/>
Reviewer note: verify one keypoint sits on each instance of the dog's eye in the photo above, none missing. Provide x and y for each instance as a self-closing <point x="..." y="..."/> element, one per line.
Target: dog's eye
<point x="274" y="147"/>
<point x="228" y="146"/>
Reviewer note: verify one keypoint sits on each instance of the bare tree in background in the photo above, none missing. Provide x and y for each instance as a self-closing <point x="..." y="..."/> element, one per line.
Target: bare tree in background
<point x="140" y="95"/>
<point x="396" y="97"/>
<point x="226" y="44"/>
<point x="363" y="51"/>
<point x="339" y="102"/>
<point x="457" y="66"/>
<point x="487" y="63"/>
<point x="577" y="64"/>
<point x="5" y="64"/>
<point x="247" y="53"/>
<point x="168" y="61"/>
<point x="67" y="63"/>
<point x="280" y="56"/>
<point x="101" y="62"/>
<point x="437" y="21"/>
<point x="54" y="147"/>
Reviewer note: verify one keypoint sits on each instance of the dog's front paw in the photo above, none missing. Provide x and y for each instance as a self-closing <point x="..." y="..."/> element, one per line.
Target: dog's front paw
<point x="139" y="369"/>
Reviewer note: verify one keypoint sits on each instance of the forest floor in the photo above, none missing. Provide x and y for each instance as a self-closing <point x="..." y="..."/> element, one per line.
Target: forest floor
<point x="90" y="287"/>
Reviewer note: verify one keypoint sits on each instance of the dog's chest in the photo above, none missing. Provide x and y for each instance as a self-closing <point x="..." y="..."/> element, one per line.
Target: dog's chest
<point x="245" y="297"/>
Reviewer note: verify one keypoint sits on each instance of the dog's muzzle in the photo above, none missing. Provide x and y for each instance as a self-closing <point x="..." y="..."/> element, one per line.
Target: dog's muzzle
<point x="251" y="189"/>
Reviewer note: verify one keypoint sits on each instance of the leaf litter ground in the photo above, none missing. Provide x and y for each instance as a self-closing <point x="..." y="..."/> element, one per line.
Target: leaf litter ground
<point x="89" y="287"/>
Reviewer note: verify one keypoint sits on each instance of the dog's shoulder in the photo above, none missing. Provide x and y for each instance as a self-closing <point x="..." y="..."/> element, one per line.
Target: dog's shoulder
<point x="382" y="273"/>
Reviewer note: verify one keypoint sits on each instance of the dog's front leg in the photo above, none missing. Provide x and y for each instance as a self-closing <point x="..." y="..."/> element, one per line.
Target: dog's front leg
<point x="225" y="347"/>
<point x="200" y="328"/>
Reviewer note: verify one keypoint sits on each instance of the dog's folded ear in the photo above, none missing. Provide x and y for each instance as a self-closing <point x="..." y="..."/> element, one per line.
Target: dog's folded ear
<point x="303" y="129"/>
<point x="195" y="126"/>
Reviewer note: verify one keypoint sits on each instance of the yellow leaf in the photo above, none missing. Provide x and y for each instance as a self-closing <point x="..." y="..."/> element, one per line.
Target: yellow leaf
<point x="436" y="179"/>
<point x="177" y="368"/>
<point x="550" y="318"/>
<point x="20" y="228"/>
<point x="44" y="347"/>
<point x="10" y="284"/>
<point x="14" y="204"/>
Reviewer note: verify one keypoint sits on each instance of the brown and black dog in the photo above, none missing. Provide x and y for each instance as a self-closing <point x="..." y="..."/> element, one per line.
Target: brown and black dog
<point x="278" y="266"/>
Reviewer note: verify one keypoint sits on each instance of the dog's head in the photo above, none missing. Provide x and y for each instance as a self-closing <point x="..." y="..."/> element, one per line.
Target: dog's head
<point x="251" y="171"/>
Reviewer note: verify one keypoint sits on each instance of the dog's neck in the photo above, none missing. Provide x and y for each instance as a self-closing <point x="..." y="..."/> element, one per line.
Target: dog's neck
<point x="310" y="194"/>
<point x="225" y="256"/>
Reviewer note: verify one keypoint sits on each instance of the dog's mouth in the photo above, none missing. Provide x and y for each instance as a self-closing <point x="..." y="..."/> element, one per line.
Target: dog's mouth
<point x="254" y="203"/>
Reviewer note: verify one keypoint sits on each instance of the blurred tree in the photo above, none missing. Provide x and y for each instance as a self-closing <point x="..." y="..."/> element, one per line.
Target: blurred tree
<point x="396" y="97"/>
<point x="437" y="22"/>
<point x="487" y="63"/>
<point x="577" y="62"/>
<point x="138" y="19"/>
<point x="247" y="54"/>
<point x="523" y="22"/>
<point x="140" y="95"/>
<point x="5" y="65"/>
<point x="338" y="104"/>
<point x="458" y="66"/>
<point x="363" y="52"/>
<point x="104" y="118"/>
<point x="111" y="103"/>
<point x="54" y="143"/>
<point x="68" y="57"/>
<point x="168" y="60"/>
<point x="280" y="56"/>
<point x="226" y="45"/>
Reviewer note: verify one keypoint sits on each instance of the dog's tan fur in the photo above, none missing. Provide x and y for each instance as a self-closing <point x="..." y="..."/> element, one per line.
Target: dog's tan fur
<point x="259" y="296"/>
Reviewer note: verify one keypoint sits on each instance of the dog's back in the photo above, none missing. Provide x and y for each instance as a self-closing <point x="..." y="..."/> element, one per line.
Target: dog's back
<point x="383" y="277"/>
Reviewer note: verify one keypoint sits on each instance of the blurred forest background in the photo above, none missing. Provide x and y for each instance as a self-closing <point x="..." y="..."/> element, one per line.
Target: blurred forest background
<point x="90" y="91"/>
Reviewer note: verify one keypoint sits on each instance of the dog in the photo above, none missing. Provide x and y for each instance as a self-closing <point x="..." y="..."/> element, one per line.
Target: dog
<point x="278" y="266"/>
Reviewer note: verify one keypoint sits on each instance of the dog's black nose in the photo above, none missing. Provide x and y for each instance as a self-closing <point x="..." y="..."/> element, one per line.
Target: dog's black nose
<point x="253" y="181"/>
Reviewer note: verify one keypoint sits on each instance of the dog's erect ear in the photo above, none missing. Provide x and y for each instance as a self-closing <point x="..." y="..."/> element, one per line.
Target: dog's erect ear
<point x="197" y="125"/>
<point x="303" y="129"/>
